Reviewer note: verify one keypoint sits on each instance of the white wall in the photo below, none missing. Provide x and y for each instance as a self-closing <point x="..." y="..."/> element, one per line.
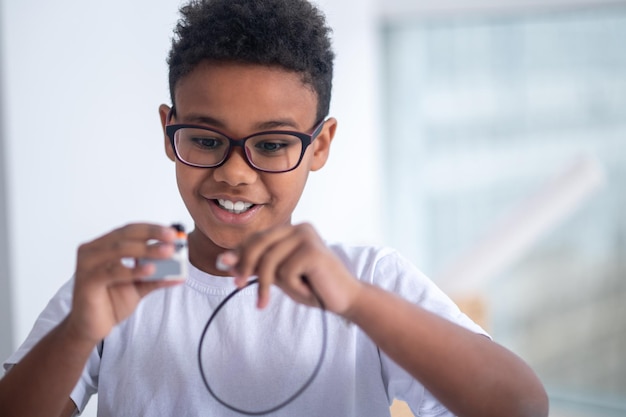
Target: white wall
<point x="6" y="324"/>
<point x="82" y="82"/>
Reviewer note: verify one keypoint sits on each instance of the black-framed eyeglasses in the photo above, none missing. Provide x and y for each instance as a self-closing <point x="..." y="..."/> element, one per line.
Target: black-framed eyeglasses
<point x="270" y="151"/>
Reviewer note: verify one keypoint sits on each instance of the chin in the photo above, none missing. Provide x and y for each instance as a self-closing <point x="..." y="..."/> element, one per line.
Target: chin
<point x="228" y="239"/>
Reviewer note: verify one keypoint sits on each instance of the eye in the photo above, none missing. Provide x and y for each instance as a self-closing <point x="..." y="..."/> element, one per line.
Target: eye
<point x="206" y="142"/>
<point x="270" y="146"/>
<point x="274" y="144"/>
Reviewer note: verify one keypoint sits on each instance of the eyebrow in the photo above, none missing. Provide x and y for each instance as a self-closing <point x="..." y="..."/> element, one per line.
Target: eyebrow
<point x="266" y="125"/>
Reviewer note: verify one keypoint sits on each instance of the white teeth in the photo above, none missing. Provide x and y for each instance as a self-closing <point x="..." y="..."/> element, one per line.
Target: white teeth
<point x="227" y="204"/>
<point x="237" y="207"/>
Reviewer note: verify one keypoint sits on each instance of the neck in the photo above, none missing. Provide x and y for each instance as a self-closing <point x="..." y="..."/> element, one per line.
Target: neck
<point x="203" y="253"/>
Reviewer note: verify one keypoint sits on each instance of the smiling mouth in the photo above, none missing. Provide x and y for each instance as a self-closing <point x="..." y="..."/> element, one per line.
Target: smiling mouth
<point x="235" y="207"/>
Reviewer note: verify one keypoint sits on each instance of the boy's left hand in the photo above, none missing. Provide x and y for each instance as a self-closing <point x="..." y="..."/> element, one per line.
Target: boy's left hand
<point x="284" y="256"/>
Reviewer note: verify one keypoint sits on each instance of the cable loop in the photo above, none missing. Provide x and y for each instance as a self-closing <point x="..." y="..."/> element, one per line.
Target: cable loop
<point x="294" y="395"/>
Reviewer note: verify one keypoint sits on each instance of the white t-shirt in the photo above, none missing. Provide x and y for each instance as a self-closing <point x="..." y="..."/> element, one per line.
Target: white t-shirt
<point x="253" y="359"/>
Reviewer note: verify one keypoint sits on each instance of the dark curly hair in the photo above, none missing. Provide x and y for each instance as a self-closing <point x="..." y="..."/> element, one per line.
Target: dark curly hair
<point x="291" y="34"/>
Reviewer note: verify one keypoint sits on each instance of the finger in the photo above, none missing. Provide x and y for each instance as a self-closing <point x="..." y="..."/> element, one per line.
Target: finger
<point x="269" y="265"/>
<point x="298" y="289"/>
<point x="226" y="262"/>
<point x="120" y="270"/>
<point x="251" y="251"/>
<point x="133" y="241"/>
<point x="292" y="275"/>
<point x="136" y="232"/>
<point x="115" y="272"/>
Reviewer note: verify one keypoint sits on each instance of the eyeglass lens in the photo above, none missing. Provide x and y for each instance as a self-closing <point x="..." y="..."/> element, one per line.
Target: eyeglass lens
<point x="269" y="152"/>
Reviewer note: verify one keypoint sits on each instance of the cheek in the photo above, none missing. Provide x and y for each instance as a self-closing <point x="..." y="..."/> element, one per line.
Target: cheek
<point x="180" y="178"/>
<point x="289" y="190"/>
<point x="187" y="179"/>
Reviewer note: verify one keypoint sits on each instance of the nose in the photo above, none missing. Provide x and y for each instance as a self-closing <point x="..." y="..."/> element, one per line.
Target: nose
<point x="236" y="170"/>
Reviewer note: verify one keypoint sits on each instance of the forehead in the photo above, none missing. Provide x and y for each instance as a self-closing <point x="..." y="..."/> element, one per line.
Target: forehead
<point x="234" y="91"/>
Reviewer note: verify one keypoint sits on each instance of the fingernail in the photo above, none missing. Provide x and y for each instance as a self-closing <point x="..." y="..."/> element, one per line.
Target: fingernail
<point x="226" y="261"/>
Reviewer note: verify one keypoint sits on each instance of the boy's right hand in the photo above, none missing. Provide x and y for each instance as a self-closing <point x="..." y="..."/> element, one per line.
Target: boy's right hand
<point x="106" y="291"/>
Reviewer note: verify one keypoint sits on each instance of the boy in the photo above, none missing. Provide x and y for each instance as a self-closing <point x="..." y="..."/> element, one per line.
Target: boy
<point x="238" y="70"/>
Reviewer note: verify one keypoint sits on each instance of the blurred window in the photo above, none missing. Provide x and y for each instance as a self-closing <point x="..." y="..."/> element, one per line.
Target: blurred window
<point x="480" y="114"/>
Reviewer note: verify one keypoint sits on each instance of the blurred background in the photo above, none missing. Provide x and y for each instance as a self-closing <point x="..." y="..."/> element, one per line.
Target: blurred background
<point x="484" y="139"/>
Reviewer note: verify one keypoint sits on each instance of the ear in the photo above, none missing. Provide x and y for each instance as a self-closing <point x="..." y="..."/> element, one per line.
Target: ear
<point x="164" y="111"/>
<point x="321" y="144"/>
